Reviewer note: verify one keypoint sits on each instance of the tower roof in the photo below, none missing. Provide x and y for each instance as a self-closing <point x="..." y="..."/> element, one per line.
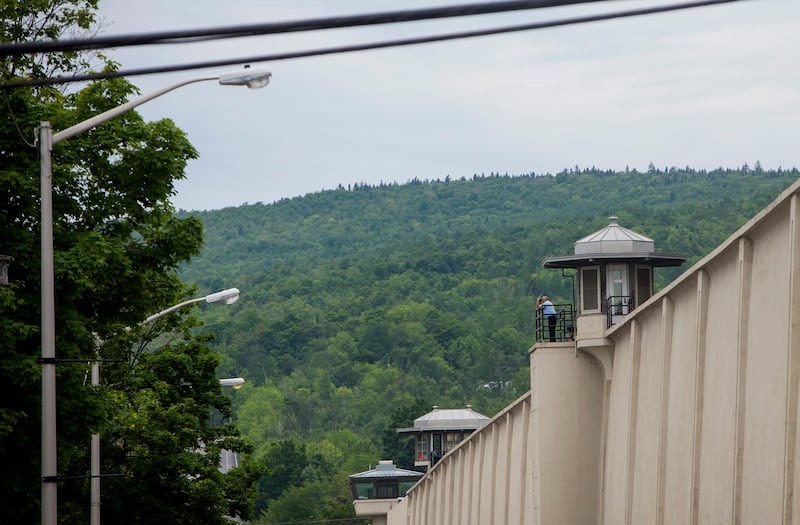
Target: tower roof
<point x="387" y="469"/>
<point x="614" y="239"/>
<point x="448" y="419"/>
<point x="614" y="244"/>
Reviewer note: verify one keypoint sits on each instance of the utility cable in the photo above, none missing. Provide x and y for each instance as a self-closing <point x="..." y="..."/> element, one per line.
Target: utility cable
<point x="361" y="47"/>
<point x="314" y="24"/>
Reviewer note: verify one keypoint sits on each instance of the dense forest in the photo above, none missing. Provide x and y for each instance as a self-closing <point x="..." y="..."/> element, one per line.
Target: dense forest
<point x="363" y="306"/>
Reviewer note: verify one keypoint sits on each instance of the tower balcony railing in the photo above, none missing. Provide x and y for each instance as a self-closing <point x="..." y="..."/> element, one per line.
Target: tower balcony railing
<point x="619" y="305"/>
<point x="563" y="329"/>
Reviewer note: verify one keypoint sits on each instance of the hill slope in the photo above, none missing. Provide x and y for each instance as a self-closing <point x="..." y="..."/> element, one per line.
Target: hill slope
<point x="331" y="275"/>
<point x="361" y="306"/>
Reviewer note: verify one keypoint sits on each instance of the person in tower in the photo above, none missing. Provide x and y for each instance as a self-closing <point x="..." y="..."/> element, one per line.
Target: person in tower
<point x="549" y="313"/>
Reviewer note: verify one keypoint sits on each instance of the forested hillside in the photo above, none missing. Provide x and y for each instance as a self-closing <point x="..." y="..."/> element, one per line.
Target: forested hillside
<point x="363" y="306"/>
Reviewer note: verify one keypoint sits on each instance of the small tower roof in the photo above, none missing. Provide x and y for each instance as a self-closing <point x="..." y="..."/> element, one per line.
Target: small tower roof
<point x="614" y="239"/>
<point x="386" y="469"/>
<point x="448" y="419"/>
<point x="614" y="244"/>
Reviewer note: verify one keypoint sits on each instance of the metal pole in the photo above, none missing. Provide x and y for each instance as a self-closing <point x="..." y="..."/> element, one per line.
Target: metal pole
<point x="47" y="139"/>
<point x="49" y="461"/>
<point x="94" y="509"/>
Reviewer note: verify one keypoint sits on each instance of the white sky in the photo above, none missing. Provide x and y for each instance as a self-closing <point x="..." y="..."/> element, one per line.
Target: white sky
<point x="709" y="87"/>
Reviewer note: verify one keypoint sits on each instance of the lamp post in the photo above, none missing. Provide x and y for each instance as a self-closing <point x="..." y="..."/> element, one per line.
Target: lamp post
<point x="229" y="296"/>
<point x="252" y="78"/>
<point x="229" y="459"/>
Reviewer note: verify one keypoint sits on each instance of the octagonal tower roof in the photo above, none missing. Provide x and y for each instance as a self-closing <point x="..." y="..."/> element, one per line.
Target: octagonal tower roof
<point x="447" y="419"/>
<point x="616" y="244"/>
<point x="614" y="239"/>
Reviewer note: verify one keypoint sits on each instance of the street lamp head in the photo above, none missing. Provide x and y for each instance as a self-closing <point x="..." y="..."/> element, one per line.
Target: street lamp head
<point x="235" y="382"/>
<point x="252" y="78"/>
<point x="229" y="296"/>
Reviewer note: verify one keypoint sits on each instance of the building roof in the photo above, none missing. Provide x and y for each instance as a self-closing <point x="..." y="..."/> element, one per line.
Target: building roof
<point x="614" y="239"/>
<point x="614" y="243"/>
<point x="448" y="419"/>
<point x="386" y="469"/>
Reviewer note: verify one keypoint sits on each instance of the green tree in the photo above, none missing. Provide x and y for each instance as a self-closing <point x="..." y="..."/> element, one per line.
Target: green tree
<point x="164" y="446"/>
<point x="312" y="503"/>
<point x="117" y="248"/>
<point x="286" y="461"/>
<point x="46" y="19"/>
<point x="260" y="415"/>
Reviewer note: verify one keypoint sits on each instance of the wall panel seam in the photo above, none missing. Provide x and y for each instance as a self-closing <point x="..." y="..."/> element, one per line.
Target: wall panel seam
<point x="633" y="408"/>
<point x="745" y="275"/>
<point x="699" y="389"/>
<point x="792" y="362"/>
<point x="667" y="319"/>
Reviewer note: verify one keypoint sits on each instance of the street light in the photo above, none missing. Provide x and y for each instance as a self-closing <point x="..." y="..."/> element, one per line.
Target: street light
<point x="229" y="459"/>
<point x="234" y="382"/>
<point x="252" y="78"/>
<point x="229" y="296"/>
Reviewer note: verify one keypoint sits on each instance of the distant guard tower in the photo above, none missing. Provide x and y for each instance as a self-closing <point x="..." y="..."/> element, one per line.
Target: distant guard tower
<point x="614" y="275"/>
<point x="440" y="430"/>
<point x="376" y="491"/>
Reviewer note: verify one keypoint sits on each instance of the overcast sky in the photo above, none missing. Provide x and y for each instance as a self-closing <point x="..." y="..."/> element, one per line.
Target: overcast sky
<point x="708" y="87"/>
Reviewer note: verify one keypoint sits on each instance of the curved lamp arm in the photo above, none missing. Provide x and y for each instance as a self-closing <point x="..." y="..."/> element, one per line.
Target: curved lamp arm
<point x="229" y="296"/>
<point x="252" y="78"/>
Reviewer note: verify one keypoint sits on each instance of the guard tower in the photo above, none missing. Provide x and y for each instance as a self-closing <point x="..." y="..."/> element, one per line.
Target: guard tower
<point x="614" y="269"/>
<point x="440" y="430"/>
<point x="376" y="491"/>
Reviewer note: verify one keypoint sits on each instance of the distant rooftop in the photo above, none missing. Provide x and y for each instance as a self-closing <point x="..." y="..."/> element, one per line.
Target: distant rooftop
<point x="614" y="239"/>
<point x="448" y="419"/>
<point x="387" y="469"/>
<point x="614" y="244"/>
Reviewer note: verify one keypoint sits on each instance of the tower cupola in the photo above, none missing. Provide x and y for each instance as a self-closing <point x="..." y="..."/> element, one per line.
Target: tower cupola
<point x="614" y="239"/>
<point x="614" y="268"/>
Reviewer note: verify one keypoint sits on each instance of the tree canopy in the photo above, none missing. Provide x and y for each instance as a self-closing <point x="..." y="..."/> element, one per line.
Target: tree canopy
<point x="118" y="247"/>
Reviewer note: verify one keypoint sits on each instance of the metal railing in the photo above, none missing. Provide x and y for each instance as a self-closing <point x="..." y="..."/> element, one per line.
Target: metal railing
<point x="561" y="329"/>
<point x="619" y="305"/>
<point x="564" y="326"/>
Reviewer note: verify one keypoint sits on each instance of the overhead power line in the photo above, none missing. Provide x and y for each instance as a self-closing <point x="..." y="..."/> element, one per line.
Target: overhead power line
<point x="273" y="28"/>
<point x="361" y="47"/>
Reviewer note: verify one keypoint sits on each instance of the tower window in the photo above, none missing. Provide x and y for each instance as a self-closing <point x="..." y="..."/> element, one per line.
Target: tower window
<point x="590" y="289"/>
